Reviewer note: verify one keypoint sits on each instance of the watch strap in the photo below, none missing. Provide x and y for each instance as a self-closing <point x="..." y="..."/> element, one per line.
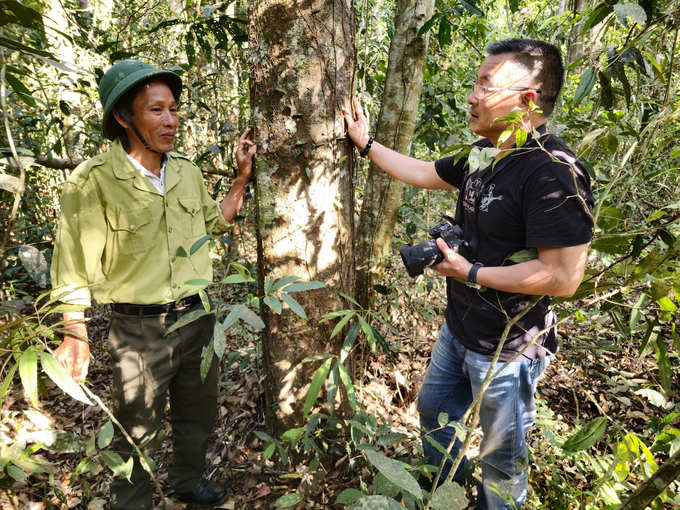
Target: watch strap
<point x="472" y="276"/>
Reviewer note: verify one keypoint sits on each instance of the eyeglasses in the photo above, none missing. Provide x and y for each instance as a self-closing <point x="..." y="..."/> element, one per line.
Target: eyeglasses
<point x="480" y="90"/>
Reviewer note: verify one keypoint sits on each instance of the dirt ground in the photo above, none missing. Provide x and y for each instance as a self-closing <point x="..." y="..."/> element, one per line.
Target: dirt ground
<point x="582" y="383"/>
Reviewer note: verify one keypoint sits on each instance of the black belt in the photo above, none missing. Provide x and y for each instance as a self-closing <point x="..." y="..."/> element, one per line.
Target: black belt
<point x="177" y="306"/>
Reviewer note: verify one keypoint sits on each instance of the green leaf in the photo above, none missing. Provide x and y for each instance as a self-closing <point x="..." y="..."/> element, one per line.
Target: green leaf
<point x="449" y="496"/>
<point x="150" y="462"/>
<point x="395" y="473"/>
<point x="392" y="438"/>
<point x="316" y="386"/>
<point x="632" y="11"/>
<point x="349" y="341"/>
<point x="57" y="372"/>
<point x="197" y="282"/>
<point x="187" y="319"/>
<point x="16" y="473"/>
<point x="283" y="282"/>
<point x="587" y="436"/>
<point x="444" y="32"/>
<point x="293" y="305"/>
<point x="524" y="255"/>
<point x="520" y="137"/>
<point x="649" y="339"/>
<point x="197" y="245"/>
<point x="376" y="503"/>
<point x="428" y="25"/>
<point x="342" y="294"/>
<point x="252" y="318"/>
<point x="341" y="160"/>
<point x="349" y="496"/>
<point x="269" y="450"/>
<point x="205" y="300"/>
<point x="636" y="313"/>
<point x="115" y="462"/>
<point x="105" y="435"/>
<point x="86" y="465"/>
<point x="585" y="85"/>
<point x="28" y="370"/>
<point x="90" y="446"/>
<point x="368" y="331"/>
<point x="298" y="287"/>
<point x="332" y="387"/>
<point x="238" y="278"/>
<point x="438" y="447"/>
<point x="20" y="90"/>
<point x="471" y="7"/>
<point x="219" y="339"/>
<point x="507" y="133"/>
<point x="339" y="313"/>
<point x="273" y="303"/>
<point x="292" y="434"/>
<point x="207" y="356"/>
<point x="316" y="357"/>
<point x="349" y="386"/>
<point x="288" y="500"/>
<point x="17" y="46"/>
<point x="341" y="324"/>
<point x="7" y="381"/>
<point x="9" y="183"/>
<point x="664" y="364"/>
<point x="181" y="252"/>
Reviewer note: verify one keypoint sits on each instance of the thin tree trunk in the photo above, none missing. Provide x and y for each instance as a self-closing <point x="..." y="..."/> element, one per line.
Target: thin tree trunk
<point x="302" y="64"/>
<point x="396" y="122"/>
<point x="658" y="482"/>
<point x="575" y="38"/>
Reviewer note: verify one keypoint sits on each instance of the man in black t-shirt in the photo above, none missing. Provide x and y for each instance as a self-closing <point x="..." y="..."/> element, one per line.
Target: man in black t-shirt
<point x="536" y="200"/>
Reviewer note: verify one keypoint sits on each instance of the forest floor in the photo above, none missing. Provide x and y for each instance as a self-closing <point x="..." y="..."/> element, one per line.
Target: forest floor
<point x="583" y="382"/>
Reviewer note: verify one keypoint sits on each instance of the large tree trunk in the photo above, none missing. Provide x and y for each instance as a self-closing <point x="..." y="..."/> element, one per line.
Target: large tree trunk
<point x="303" y="59"/>
<point x="396" y="122"/>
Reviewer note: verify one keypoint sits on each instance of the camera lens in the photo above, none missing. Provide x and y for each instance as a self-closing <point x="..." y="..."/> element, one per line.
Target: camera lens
<point x="417" y="258"/>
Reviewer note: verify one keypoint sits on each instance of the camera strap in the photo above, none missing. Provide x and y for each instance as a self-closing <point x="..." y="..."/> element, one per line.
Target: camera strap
<point x="479" y="190"/>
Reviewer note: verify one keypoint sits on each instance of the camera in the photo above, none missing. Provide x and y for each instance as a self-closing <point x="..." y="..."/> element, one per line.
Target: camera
<point x="426" y="254"/>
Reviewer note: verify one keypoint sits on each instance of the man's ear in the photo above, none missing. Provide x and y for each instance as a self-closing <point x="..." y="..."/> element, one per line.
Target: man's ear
<point x="120" y="118"/>
<point x="528" y="97"/>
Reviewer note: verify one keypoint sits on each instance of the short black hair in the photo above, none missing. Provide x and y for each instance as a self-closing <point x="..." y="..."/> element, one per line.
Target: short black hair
<point x="533" y="55"/>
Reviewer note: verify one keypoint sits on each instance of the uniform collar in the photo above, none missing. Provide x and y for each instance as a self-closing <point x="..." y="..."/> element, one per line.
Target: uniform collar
<point x="124" y="169"/>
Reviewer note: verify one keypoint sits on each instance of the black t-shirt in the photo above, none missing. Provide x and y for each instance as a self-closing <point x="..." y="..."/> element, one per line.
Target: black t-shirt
<point x="532" y="201"/>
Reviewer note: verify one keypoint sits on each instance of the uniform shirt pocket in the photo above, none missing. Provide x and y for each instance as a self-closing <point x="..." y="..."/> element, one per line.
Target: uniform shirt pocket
<point x="131" y="230"/>
<point x="192" y="217"/>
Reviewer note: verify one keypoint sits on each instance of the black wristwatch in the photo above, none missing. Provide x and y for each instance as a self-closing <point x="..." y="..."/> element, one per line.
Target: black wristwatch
<point x="472" y="276"/>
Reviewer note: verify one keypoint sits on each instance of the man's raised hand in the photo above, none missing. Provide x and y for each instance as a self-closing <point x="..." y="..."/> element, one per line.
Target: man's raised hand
<point x="357" y="129"/>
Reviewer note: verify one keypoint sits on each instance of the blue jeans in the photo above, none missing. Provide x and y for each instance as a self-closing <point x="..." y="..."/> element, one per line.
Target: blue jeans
<point x="454" y="378"/>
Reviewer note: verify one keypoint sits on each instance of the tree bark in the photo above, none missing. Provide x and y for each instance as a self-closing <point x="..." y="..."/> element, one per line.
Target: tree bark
<point x="575" y="39"/>
<point x="394" y="129"/>
<point x="302" y="64"/>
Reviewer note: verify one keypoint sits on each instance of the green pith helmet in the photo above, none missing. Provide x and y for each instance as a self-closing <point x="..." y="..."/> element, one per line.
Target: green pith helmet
<point x="122" y="77"/>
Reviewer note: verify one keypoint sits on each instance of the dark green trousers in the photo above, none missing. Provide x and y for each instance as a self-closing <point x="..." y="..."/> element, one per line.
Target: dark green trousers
<point x="148" y="366"/>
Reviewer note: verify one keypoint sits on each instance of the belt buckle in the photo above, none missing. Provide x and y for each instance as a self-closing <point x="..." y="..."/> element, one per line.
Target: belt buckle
<point x="183" y="304"/>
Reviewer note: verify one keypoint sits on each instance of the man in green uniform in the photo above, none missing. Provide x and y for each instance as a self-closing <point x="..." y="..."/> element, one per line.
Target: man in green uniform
<point x="124" y="216"/>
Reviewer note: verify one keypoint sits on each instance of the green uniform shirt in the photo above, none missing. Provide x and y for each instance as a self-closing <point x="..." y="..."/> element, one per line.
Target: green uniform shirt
<point x="118" y="236"/>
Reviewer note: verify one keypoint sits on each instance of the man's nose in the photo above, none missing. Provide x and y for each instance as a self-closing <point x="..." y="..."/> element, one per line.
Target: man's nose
<point x="170" y="118"/>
